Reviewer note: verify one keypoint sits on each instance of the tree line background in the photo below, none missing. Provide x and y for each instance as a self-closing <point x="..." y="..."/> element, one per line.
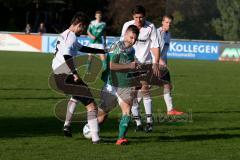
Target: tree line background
<point x="193" y="19"/>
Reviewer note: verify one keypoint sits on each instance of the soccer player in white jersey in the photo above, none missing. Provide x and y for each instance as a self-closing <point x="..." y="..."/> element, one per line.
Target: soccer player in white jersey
<point x="67" y="78"/>
<point x="147" y="42"/>
<point x="164" y="36"/>
<point x="97" y="34"/>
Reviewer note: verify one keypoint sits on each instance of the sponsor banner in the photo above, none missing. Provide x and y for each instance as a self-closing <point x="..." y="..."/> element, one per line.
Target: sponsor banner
<point x="230" y="52"/>
<point x="198" y="50"/>
<point x="194" y="50"/>
<point x="49" y="42"/>
<point x="20" y="42"/>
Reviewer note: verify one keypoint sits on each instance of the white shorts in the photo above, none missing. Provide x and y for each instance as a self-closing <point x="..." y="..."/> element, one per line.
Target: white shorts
<point x="111" y="95"/>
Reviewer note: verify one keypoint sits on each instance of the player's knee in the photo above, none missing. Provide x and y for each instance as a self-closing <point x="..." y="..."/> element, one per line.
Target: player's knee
<point x="145" y="88"/>
<point x="126" y="111"/>
<point x="91" y="107"/>
<point x="167" y="88"/>
<point x="102" y="118"/>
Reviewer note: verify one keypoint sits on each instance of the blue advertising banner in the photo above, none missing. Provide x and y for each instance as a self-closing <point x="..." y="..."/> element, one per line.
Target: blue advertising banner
<point x="178" y="49"/>
<point x="49" y="42"/>
<point x="194" y="50"/>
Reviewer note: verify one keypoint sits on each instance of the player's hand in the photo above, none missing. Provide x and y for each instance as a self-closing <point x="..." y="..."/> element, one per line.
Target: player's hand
<point x="76" y="77"/>
<point x="132" y="65"/>
<point x="156" y="70"/>
<point x="93" y="37"/>
<point x="162" y="63"/>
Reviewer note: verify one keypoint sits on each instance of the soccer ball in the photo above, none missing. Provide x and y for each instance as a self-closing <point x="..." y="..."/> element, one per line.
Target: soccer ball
<point x="87" y="132"/>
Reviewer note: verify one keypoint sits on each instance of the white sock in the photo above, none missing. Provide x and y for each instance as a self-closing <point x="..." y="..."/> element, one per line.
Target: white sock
<point x="70" y="110"/>
<point x="93" y="125"/>
<point x="139" y="96"/>
<point x="168" y="99"/>
<point x="147" y="101"/>
<point x="136" y="113"/>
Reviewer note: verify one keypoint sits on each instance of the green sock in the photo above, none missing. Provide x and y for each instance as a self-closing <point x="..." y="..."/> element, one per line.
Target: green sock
<point x="123" y="126"/>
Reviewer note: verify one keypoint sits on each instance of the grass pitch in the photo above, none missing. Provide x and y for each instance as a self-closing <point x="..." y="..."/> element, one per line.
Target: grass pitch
<point x="208" y="91"/>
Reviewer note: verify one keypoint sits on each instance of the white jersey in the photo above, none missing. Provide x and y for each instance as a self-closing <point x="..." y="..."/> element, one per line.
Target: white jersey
<point x="67" y="44"/>
<point x="147" y="39"/>
<point x="164" y="42"/>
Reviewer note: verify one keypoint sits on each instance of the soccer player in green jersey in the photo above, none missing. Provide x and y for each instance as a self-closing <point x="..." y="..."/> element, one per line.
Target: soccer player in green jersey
<point x="118" y="80"/>
<point x="97" y="34"/>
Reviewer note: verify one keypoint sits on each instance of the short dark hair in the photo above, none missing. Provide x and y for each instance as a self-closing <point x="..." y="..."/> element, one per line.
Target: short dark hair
<point x="133" y="29"/>
<point x="138" y="9"/>
<point x="80" y="17"/>
<point x="98" y="12"/>
<point x="168" y="16"/>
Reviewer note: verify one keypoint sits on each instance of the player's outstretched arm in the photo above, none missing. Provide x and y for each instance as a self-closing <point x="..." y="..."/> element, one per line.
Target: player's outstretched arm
<point x="91" y="50"/>
<point x="122" y="67"/>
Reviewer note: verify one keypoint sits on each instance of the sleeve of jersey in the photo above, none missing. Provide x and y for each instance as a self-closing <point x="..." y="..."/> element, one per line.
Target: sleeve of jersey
<point x="70" y="44"/>
<point x="154" y="38"/>
<point x="160" y="39"/>
<point x="113" y="57"/>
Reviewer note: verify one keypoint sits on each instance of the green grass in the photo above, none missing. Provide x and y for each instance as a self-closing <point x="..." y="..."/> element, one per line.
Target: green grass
<point x="208" y="91"/>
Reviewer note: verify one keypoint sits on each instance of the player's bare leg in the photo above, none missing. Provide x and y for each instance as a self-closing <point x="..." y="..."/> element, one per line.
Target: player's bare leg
<point x="102" y="116"/>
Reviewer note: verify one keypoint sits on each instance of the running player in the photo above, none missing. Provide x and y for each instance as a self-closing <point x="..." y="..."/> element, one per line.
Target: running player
<point x="67" y="78"/>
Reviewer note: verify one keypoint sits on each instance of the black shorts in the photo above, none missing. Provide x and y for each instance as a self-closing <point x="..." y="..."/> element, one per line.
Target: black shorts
<point x="166" y="76"/>
<point x="146" y="74"/>
<point x="79" y="90"/>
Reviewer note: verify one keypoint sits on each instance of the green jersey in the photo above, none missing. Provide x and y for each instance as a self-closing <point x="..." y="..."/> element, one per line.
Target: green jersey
<point x="121" y="55"/>
<point x="97" y="29"/>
